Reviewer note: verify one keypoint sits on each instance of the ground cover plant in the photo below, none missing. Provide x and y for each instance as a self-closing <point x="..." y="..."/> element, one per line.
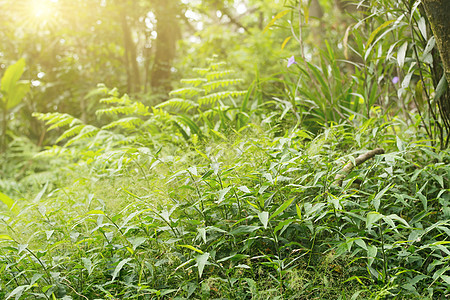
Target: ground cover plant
<point x="325" y="176"/>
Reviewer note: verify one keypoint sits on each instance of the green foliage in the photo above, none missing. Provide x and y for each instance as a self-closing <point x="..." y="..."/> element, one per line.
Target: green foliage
<point x="210" y="108"/>
<point x="254" y="217"/>
<point x="12" y="92"/>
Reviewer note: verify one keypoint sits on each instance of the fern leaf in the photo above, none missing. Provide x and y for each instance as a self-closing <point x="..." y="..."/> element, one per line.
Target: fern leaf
<point x="127" y="123"/>
<point x="186" y="92"/>
<point x="202" y="71"/>
<point x="141" y="109"/>
<point x="87" y="132"/>
<point x="218" y="74"/>
<point x="124" y="100"/>
<point x="194" y="81"/>
<point x="182" y="104"/>
<point x="210" y="86"/>
<point x="212" y="98"/>
<point x="125" y="110"/>
<point x="63" y="120"/>
<point x="70" y="132"/>
<point x="217" y="65"/>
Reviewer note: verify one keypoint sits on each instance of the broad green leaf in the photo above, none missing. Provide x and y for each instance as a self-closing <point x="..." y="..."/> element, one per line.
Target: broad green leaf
<point x="299" y="211"/>
<point x="6" y="200"/>
<point x="15" y="96"/>
<point x="402" y="54"/>
<point x="11" y="76"/>
<point x="446" y="278"/>
<point x="119" y="267"/>
<point x="372" y="218"/>
<point x="243" y="229"/>
<point x="244" y="189"/>
<point x="87" y="264"/>
<point x="264" y="218"/>
<point x="281" y="208"/>
<point x="202" y="232"/>
<point x="371" y="254"/>
<point x="361" y="243"/>
<point x="440" y="89"/>
<point x="376" y="200"/>
<point x="222" y="194"/>
<point x="400" y="146"/>
<point x="193" y="170"/>
<point x="201" y="262"/>
<point x="137" y="241"/>
<point x="17" y="292"/>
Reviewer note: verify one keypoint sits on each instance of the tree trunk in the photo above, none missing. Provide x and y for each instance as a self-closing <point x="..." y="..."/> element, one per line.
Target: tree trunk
<point x="168" y="34"/>
<point x="438" y="14"/>
<point x="133" y="78"/>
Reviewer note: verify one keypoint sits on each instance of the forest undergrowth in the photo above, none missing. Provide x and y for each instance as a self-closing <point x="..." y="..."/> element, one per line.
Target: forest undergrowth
<point x="256" y="216"/>
<point x="326" y="178"/>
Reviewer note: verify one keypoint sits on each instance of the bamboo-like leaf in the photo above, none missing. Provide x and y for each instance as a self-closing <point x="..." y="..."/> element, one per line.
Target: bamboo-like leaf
<point x="192" y="248"/>
<point x="281" y="208"/>
<point x="286" y="40"/>
<point x="119" y="267"/>
<point x="376" y="31"/>
<point x="376" y="199"/>
<point x="278" y="16"/>
<point x="401" y="54"/>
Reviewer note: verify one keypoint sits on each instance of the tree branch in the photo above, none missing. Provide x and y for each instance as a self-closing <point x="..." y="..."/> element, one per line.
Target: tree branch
<point x="349" y="166"/>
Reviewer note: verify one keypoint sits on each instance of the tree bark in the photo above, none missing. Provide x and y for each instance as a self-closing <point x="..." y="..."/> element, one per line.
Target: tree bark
<point x="168" y="34"/>
<point x="133" y="77"/>
<point x="438" y="14"/>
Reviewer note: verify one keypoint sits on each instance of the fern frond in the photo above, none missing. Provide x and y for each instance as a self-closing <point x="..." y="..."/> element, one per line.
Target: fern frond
<point x="202" y="71"/>
<point x="87" y="132"/>
<point x="218" y="74"/>
<point x="187" y="92"/>
<point x="70" y="132"/>
<point x="127" y="123"/>
<point x="124" y="100"/>
<point x="57" y="119"/>
<point x="212" y="98"/>
<point x="125" y="110"/>
<point x="51" y="152"/>
<point x="182" y="104"/>
<point x="141" y="109"/>
<point x="217" y="65"/>
<point x="194" y="81"/>
<point x="210" y="86"/>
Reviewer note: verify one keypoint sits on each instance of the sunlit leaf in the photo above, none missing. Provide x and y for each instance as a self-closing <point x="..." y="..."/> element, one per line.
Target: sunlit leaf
<point x="201" y="262"/>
